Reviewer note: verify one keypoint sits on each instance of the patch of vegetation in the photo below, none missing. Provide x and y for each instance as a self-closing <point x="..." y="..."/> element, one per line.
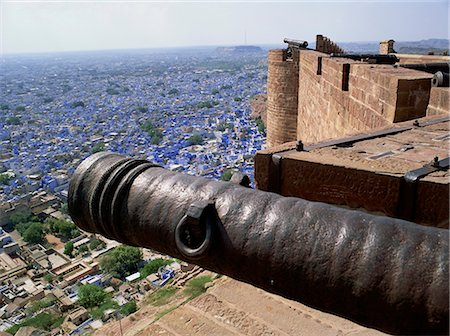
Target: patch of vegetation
<point x="96" y="244"/>
<point x="78" y="104"/>
<point x="142" y="109"/>
<point x="5" y="178"/>
<point x="36" y="306"/>
<point x="237" y="99"/>
<point x="215" y="91"/>
<point x="4" y="107"/>
<point x="48" y="277"/>
<point x="64" y="208"/>
<point x="68" y="249"/>
<point x="173" y="91"/>
<point x="227" y="174"/>
<point x="161" y="296"/>
<point x="64" y="229"/>
<point x="261" y="126"/>
<point x="223" y="126"/>
<point x="196" y="286"/>
<point x="13" y="121"/>
<point x="90" y="296"/>
<point x="195" y="139"/>
<point x="98" y="147"/>
<point x="205" y="104"/>
<point x="47" y="100"/>
<point x="112" y="91"/>
<point x="154" y="132"/>
<point x="121" y="261"/>
<point x="44" y="321"/>
<point x="32" y="232"/>
<point x="22" y="217"/>
<point x="108" y="303"/>
<point x="20" y="109"/>
<point x="128" y="308"/>
<point x="153" y="266"/>
<point x="83" y="249"/>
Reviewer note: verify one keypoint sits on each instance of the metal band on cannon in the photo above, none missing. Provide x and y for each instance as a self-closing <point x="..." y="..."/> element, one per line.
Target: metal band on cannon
<point x="381" y="272"/>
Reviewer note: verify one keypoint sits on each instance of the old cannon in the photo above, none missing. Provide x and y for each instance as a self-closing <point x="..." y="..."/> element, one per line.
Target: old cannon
<point x="381" y="272"/>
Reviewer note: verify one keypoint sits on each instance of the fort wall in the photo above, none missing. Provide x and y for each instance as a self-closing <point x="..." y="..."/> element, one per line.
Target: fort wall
<point x="282" y="98"/>
<point x="349" y="97"/>
<point x="421" y="59"/>
<point x="439" y="101"/>
<point x="313" y="96"/>
<point x="325" y="45"/>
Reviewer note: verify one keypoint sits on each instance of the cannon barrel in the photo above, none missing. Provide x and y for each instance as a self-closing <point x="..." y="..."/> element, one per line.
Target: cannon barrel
<point x="370" y="58"/>
<point x="440" y="79"/>
<point x="295" y="43"/>
<point x="428" y="67"/>
<point x="381" y="272"/>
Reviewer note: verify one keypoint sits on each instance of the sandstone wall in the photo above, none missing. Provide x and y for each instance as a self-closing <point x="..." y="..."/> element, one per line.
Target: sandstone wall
<point x="439" y="101"/>
<point x="339" y="97"/>
<point x="325" y="45"/>
<point x="282" y="97"/>
<point x="421" y="59"/>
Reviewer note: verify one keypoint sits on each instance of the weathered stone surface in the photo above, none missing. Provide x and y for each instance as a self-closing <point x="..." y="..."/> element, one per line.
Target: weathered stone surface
<point x="367" y="174"/>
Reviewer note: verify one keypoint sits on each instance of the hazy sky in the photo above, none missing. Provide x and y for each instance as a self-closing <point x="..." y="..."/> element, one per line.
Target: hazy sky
<point x="40" y="26"/>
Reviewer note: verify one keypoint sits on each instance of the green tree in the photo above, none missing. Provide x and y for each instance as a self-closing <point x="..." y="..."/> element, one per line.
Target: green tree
<point x="20" y="217"/>
<point x="64" y="208"/>
<point x="96" y="244"/>
<point x="154" y="132"/>
<point x="62" y="228"/>
<point x="68" y="249"/>
<point x="4" y="107"/>
<point x="48" y="277"/>
<point x="122" y="261"/>
<point x="98" y="147"/>
<point x="128" y="308"/>
<point x="34" y="233"/>
<point x="90" y="296"/>
<point x="142" y="109"/>
<point x="83" y="249"/>
<point x="195" y="139"/>
<point x="112" y="91"/>
<point x="205" y="104"/>
<point x="261" y="126"/>
<point x="223" y="126"/>
<point x="153" y="266"/>
<point x="226" y="176"/>
<point x="4" y="178"/>
<point x="44" y="321"/>
<point x="13" y="121"/>
<point x="78" y="104"/>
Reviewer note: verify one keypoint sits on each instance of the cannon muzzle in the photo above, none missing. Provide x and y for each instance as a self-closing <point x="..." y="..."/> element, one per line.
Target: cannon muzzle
<point x="381" y="272"/>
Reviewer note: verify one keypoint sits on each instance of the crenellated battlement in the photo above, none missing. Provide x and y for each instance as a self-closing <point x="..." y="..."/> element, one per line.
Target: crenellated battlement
<point x="313" y="96"/>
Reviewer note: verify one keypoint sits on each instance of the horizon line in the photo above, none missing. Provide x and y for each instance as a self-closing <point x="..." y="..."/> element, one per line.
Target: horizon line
<point x="24" y="53"/>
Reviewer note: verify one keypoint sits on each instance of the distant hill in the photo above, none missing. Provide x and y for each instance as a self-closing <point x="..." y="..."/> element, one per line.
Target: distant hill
<point x="438" y="46"/>
<point x="239" y="49"/>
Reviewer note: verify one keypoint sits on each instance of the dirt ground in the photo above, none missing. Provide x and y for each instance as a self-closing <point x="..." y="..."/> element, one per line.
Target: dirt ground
<point x="230" y="307"/>
<point x="54" y="241"/>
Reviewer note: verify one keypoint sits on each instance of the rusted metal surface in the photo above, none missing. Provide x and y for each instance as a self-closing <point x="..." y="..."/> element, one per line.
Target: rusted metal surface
<point x="381" y="272"/>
